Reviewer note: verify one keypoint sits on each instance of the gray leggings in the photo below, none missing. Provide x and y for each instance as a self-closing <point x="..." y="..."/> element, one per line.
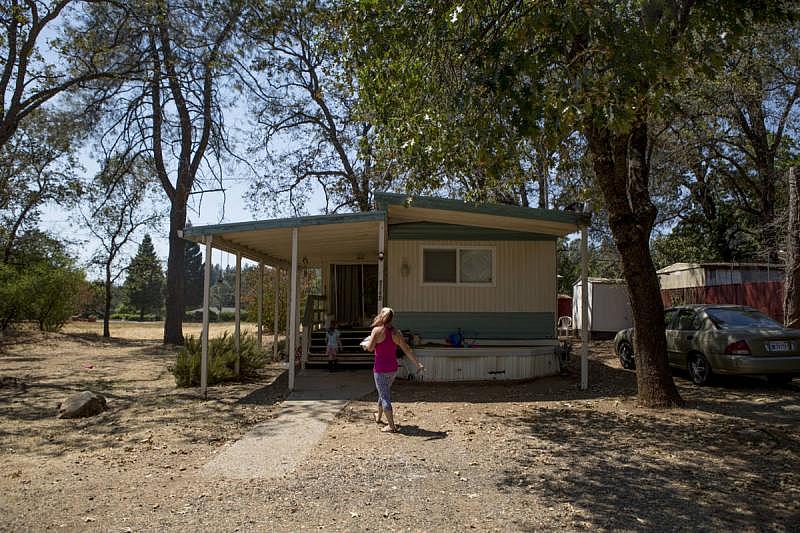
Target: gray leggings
<point x="383" y="382"/>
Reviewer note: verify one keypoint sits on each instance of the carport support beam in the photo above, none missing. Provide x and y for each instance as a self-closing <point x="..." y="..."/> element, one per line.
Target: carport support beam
<point x="293" y="310"/>
<point x="204" y="335"/>
<point x="238" y="326"/>
<point x="584" y="309"/>
<point x="288" y="311"/>
<point x="260" y="299"/>
<point x="381" y="246"/>
<point x="276" y="285"/>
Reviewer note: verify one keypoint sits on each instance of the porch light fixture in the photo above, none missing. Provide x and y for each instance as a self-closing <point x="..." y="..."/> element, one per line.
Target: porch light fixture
<point x="405" y="270"/>
<point x="380" y="256"/>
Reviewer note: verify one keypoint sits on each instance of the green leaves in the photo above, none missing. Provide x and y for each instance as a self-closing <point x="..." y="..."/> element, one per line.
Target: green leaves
<point x="222" y="360"/>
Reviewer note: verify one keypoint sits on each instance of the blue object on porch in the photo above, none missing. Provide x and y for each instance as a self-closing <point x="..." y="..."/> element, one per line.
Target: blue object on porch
<point x="456" y="339"/>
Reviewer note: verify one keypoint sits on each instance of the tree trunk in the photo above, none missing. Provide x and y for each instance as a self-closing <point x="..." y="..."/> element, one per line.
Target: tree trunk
<point x="791" y="287"/>
<point x="173" y="323"/>
<point x="107" y="302"/>
<point x="622" y="171"/>
<point x="543" y="190"/>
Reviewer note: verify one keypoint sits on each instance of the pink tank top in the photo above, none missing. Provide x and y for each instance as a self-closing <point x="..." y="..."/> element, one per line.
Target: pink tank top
<point x="385" y="354"/>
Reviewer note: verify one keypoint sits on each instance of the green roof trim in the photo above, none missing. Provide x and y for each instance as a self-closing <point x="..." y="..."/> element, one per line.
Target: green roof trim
<point x="295" y="222"/>
<point x="479" y="326"/>
<point x="432" y="231"/>
<point x="385" y="199"/>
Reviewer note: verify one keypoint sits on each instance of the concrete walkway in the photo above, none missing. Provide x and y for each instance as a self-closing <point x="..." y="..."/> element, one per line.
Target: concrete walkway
<point x="278" y="445"/>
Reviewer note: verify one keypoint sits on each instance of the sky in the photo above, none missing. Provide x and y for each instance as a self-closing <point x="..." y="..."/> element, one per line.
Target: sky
<point x="215" y="208"/>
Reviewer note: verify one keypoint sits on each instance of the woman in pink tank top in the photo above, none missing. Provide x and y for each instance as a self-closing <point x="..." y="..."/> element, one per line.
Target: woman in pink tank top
<point x="384" y="339"/>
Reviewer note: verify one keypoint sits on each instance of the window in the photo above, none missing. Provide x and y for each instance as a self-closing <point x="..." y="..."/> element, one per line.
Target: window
<point x="687" y="320"/>
<point x="669" y="314"/>
<point x="468" y="266"/>
<point x="439" y="265"/>
<point x="476" y="265"/>
<point x="725" y="318"/>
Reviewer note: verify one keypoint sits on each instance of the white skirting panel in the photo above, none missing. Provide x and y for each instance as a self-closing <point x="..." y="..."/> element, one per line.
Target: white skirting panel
<point x="486" y="363"/>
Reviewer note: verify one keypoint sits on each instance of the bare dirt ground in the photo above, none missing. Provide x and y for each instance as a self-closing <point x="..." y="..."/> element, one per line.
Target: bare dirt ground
<point x="522" y="456"/>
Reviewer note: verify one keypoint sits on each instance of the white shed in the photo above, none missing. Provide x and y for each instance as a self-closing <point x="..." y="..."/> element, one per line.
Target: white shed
<point x="609" y="307"/>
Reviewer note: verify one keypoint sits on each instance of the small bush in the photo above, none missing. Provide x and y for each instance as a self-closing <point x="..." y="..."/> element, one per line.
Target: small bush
<point x="134" y="317"/>
<point x="197" y="316"/>
<point x="221" y="360"/>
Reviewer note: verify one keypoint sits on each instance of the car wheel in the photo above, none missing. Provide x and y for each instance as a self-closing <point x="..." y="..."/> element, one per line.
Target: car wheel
<point x="699" y="369"/>
<point x="626" y="358"/>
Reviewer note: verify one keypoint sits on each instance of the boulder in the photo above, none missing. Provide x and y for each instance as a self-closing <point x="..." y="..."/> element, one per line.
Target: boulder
<point x="81" y="405"/>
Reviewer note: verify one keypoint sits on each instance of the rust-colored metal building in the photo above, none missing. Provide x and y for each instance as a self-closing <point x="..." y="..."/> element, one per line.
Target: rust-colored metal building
<point x="758" y="285"/>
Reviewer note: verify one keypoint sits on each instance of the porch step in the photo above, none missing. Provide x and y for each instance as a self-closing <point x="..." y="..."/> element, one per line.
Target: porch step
<point x="351" y="354"/>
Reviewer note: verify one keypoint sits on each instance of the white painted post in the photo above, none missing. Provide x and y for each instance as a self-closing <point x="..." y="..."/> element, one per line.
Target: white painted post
<point x="237" y="327"/>
<point x="276" y="292"/>
<point x="584" y="309"/>
<point x="293" y="310"/>
<point x="204" y="334"/>
<point x="288" y="310"/>
<point x="381" y="245"/>
<point x="260" y="299"/>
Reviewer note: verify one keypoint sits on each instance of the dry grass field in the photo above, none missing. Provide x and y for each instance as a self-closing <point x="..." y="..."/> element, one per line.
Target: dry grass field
<point x="149" y="331"/>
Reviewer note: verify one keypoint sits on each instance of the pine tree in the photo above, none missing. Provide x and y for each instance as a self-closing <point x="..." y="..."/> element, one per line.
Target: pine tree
<point x="145" y="282"/>
<point x="192" y="276"/>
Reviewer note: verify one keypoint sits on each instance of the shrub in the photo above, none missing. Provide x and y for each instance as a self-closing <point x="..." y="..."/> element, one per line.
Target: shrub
<point x="54" y="298"/>
<point x="221" y="360"/>
<point x="12" y="295"/>
<point x="40" y="292"/>
<point x="134" y="317"/>
<point x="197" y="316"/>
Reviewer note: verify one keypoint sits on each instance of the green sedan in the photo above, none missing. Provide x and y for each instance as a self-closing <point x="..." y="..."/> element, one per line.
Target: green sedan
<point x="723" y="339"/>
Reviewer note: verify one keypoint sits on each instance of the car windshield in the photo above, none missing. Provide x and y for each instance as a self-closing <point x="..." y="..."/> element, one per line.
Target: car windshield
<point x="741" y="318"/>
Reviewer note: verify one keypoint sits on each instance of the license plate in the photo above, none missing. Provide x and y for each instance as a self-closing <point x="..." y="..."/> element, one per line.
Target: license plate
<point x="778" y="346"/>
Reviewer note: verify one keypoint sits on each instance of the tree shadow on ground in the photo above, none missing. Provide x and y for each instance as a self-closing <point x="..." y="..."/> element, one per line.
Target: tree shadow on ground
<point x="270" y="394"/>
<point x="122" y="342"/>
<point x="134" y="413"/>
<point x="654" y="471"/>
<point x="744" y="397"/>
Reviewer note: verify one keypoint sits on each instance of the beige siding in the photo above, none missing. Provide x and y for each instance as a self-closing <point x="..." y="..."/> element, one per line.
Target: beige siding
<point x="483" y="364"/>
<point x="525" y="279"/>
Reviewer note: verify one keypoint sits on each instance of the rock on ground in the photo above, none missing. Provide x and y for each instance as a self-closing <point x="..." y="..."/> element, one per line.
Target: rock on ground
<point x="81" y="405"/>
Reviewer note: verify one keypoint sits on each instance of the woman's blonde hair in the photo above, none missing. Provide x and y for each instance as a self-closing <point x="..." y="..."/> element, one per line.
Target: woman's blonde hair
<point x="383" y="318"/>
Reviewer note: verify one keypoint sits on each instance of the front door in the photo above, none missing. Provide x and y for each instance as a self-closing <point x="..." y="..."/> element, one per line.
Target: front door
<point x="354" y="289"/>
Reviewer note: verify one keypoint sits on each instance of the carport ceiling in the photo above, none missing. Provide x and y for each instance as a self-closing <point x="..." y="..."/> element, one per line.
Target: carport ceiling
<point x="340" y="238"/>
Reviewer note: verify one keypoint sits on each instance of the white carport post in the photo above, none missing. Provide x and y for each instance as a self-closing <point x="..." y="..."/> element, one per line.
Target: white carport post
<point x="204" y="334"/>
<point x="381" y="245"/>
<point x="276" y="285"/>
<point x="288" y="312"/>
<point x="293" y="310"/>
<point x="238" y="297"/>
<point x="584" y="309"/>
<point x="260" y="299"/>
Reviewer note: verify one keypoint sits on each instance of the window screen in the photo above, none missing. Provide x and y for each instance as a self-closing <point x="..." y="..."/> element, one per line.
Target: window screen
<point x="476" y="266"/>
<point x="439" y="266"/>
